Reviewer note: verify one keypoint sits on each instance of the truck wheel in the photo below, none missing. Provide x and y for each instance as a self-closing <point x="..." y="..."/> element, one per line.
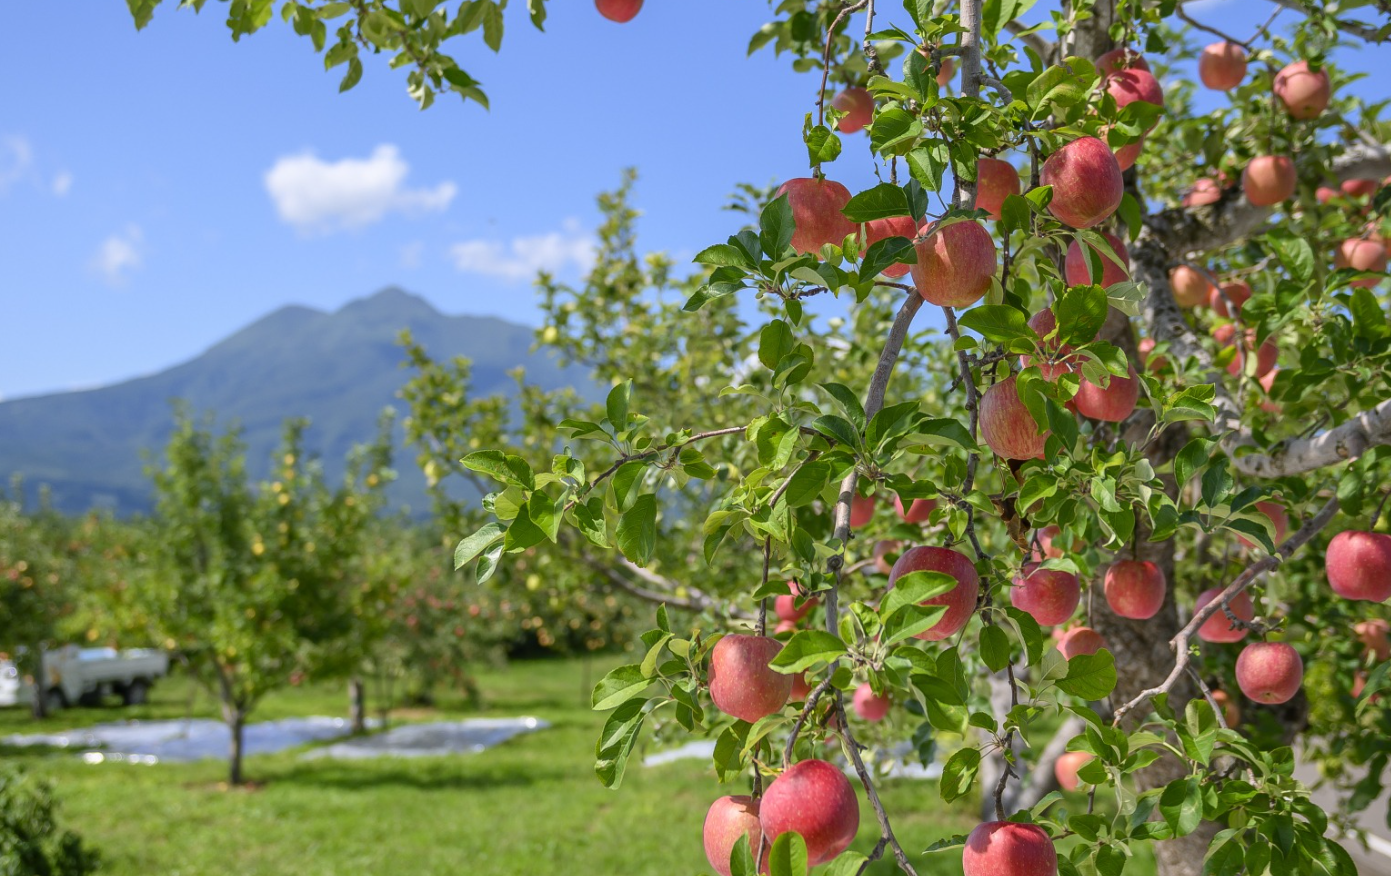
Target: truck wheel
<point x="91" y="699"/>
<point x="137" y="693"/>
<point x="55" y="699"/>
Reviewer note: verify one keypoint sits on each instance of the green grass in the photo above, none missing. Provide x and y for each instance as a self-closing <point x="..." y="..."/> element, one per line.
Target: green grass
<point x="527" y="807"/>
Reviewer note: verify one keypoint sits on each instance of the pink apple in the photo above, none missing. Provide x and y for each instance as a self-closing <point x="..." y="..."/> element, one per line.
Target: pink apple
<point x="1231" y="712"/>
<point x="960" y="601"/>
<point x="861" y="510"/>
<point x="1112" y="403"/>
<point x="858" y="106"/>
<point x="815" y="799"/>
<point x="1191" y="288"/>
<point x="1135" y="589"/>
<point x="728" y="819"/>
<point x="622" y="11"/>
<point x="1268" y="180"/>
<point x="1049" y="595"/>
<point x="785" y="626"/>
<point x="1323" y="194"/>
<point x="1086" y="181"/>
<point x="1077" y="269"/>
<point x="1128" y="86"/>
<point x="1145" y="347"/>
<point x="956" y="263"/>
<point x="1205" y="191"/>
<point x="1360" y="188"/>
<point x="816" y="209"/>
<point x="1269" y="672"/>
<point x="1372" y="633"/>
<point x="995" y="181"/>
<point x="1304" y="92"/>
<point x="1080" y="640"/>
<point x="1218" y="628"/>
<point x="1006" y="425"/>
<point x="1127" y="155"/>
<point x="1065" y="769"/>
<point x="1123" y="58"/>
<point x="1051" y="549"/>
<point x="786" y="605"/>
<point x="1235" y="291"/>
<point x="944" y="73"/>
<point x="894" y="226"/>
<point x="885" y="553"/>
<point x="1362" y="255"/>
<point x="801" y="688"/>
<point x="1057" y="359"/>
<point x="741" y="682"/>
<point x="1267" y="383"/>
<point x="1007" y="848"/>
<point x="869" y="705"/>
<point x="1277" y="516"/>
<point x="917" y="512"/>
<point x="1359" y="565"/>
<point x="1222" y="66"/>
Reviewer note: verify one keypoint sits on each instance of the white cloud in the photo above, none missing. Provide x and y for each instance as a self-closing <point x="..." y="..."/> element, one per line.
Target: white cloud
<point x="523" y="257"/>
<point x="119" y="254"/>
<point x="62" y="183"/>
<point x="411" y="254"/>
<point x="16" y="159"/>
<point x="321" y="196"/>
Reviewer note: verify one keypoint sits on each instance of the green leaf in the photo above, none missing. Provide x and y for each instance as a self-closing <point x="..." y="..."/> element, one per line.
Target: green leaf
<point x="488" y="563"/>
<point x="945" y="431"/>
<point x="705" y="294"/>
<point x="504" y="467"/>
<point x="523" y="533"/>
<point x="1192" y="457"/>
<point x="881" y="202"/>
<point x="473" y="545"/>
<point x="723" y="255"/>
<point x="776" y="225"/>
<point x="822" y="145"/>
<point x="849" y="402"/>
<point x="775" y="341"/>
<point x="616" y="742"/>
<point x="959" y="773"/>
<point x="1080" y="313"/>
<point x="886" y="253"/>
<point x="1181" y="805"/>
<point x="788" y="856"/>
<point x="1126" y="296"/>
<point x="998" y="323"/>
<point x="1090" y="676"/>
<point x="928" y="163"/>
<point x="994" y="648"/>
<point x="637" y="530"/>
<point x="807" y="483"/>
<point x="1293" y="252"/>
<point x="806" y="649"/>
<point x="619" y="686"/>
<point x="839" y="430"/>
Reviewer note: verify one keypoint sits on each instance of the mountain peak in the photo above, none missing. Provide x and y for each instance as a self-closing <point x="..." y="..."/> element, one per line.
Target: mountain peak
<point x="393" y="301"/>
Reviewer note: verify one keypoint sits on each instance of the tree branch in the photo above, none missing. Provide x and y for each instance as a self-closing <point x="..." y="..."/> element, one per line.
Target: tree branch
<point x="1181" y="641"/>
<point x="1355" y="28"/>
<point x="1045" y="49"/>
<point x="666" y="594"/>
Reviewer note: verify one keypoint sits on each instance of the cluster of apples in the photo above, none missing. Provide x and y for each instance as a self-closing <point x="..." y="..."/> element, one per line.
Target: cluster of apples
<point x="620" y="11"/>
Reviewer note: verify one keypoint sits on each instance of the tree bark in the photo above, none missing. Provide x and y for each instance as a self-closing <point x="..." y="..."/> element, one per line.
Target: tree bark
<point x="357" y="705"/>
<point x="236" y="722"/>
<point x="40" y="702"/>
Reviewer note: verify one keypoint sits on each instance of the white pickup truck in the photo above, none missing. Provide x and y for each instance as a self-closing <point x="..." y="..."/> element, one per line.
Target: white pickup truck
<point x="86" y="675"/>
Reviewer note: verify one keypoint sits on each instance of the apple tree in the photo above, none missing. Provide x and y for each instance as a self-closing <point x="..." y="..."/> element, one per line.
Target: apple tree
<point x="1156" y="424"/>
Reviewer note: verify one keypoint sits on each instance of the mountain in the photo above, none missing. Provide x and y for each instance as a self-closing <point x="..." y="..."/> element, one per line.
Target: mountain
<point x="338" y="369"/>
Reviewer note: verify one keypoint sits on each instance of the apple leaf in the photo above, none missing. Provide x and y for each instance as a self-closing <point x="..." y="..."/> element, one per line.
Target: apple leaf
<point x="619" y="686"/>
<point x="1090" y="676"/>
<point x="806" y="649"/>
<point x="788" y="856"/>
<point x="881" y="202"/>
<point x="959" y="773"/>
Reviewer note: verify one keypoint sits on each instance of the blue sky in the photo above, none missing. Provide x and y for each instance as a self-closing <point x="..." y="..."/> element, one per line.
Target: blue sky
<point x="159" y="190"/>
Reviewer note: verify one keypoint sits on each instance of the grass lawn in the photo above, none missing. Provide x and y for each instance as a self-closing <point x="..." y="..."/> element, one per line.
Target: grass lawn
<point x="529" y="806"/>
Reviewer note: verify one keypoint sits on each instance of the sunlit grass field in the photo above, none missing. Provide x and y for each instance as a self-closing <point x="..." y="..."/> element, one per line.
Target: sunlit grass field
<point x="531" y="806"/>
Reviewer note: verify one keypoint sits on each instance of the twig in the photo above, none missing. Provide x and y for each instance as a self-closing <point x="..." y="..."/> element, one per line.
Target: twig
<point x="1180" y="642"/>
<point x="1184" y="16"/>
<point x="826" y="58"/>
<point x="1356" y="28"/>
<point x="886" y="831"/>
<point x="802" y="720"/>
<point x="1007" y="770"/>
<point x="762" y="625"/>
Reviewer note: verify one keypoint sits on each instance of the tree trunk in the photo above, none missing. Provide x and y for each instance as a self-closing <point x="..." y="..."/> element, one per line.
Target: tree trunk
<point x="236" y="722"/>
<point x="40" y="703"/>
<point x="357" y="705"/>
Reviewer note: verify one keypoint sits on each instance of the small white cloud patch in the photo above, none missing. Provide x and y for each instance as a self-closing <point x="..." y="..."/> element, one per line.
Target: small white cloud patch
<point x="523" y="257"/>
<point x="119" y="254"/>
<point x="16" y="160"/>
<point x="317" y="196"/>
<point x="62" y="184"/>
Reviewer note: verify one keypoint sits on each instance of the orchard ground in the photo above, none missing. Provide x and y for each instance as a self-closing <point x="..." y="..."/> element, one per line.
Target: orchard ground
<point x="528" y="806"/>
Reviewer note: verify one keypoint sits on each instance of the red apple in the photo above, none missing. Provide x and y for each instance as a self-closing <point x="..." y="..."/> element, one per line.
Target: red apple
<point x="1086" y="181"/>
<point x="1237" y="292"/>
<point x="1077" y="269"/>
<point x="622" y="11"/>
<point x="816" y="206"/>
<point x="1007" y="848"/>
<point x="801" y="688"/>
<point x="1051" y="549"/>
<point x="1360" y="188"/>
<point x="1127" y="155"/>
<point x="886" y="553"/>
<point x="1049" y="595"/>
<point x="1124" y="58"/>
<point x="861" y="510"/>
<point x="1222" y="66"/>
<point x="1146" y="346"/>
<point x="785" y="626"/>
<point x="1218" y="628"/>
<point x="786" y="605"/>
<point x="1112" y="403"/>
<point x="1267" y="383"/>
<point x="728" y="819"/>
<point x="1057" y="358"/>
<point x="960" y="601"/>
<point x="1205" y="191"/>
<point x="1362" y="255"/>
<point x="858" y="106"/>
<point x="944" y="73"/>
<point x="955" y="263"/>
<point x="814" y="799"/>
<point x="1065" y="769"/>
<point x="869" y="705"/>
<point x="1277" y="516"/>
<point x="1135" y="589"/>
<point x="995" y="181"/>
<point x="1231" y="712"/>
<point x="894" y="226"/>
<point x="1323" y="194"/>
<point x="1269" y="672"/>
<point x="1359" y="565"/>
<point x="1191" y="288"/>
<point x="1006" y="424"/>
<point x="1304" y="92"/>
<point x="917" y="512"/>
<point x="1268" y="180"/>
<point x="1081" y="640"/>
<point x="741" y="682"/>
<point x="1129" y="86"/>
<point x="1372" y="634"/>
